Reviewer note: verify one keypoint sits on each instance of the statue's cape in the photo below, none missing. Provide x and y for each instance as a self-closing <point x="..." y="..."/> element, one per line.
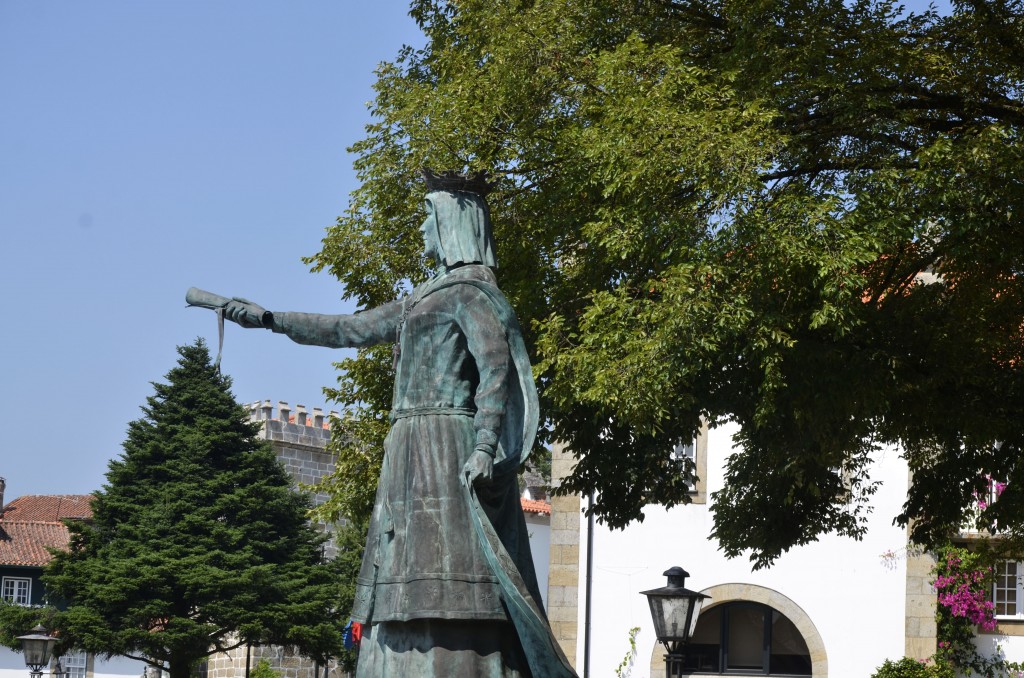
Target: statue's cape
<point x="497" y="516"/>
<point x="543" y="653"/>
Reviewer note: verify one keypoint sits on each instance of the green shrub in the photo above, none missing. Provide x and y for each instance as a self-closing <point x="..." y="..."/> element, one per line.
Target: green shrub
<point x="913" y="668"/>
<point x="263" y="670"/>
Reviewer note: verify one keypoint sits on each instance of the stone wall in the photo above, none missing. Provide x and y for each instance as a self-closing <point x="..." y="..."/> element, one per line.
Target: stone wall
<point x="564" y="573"/>
<point x="921" y="630"/>
<point x="282" y="660"/>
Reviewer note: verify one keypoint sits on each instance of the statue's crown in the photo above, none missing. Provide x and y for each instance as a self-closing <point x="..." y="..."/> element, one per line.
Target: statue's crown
<point x="453" y="181"/>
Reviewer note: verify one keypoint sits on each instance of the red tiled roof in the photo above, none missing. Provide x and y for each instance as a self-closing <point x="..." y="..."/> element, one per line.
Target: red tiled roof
<point x="30" y="525"/>
<point x="47" y="508"/>
<point x="25" y="543"/>
<point x="535" y="506"/>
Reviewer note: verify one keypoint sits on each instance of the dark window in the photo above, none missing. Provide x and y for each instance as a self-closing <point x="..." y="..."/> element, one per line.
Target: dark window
<point x="746" y="638"/>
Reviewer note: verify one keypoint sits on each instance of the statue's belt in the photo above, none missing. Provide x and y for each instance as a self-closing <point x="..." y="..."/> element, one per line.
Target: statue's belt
<point x="420" y="411"/>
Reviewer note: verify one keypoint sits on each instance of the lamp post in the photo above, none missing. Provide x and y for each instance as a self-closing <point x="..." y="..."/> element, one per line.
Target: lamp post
<point x="37" y="648"/>
<point x="674" y="610"/>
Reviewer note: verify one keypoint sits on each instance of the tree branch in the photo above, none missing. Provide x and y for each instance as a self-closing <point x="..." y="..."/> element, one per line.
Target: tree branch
<point x="831" y="166"/>
<point x="145" y="660"/>
<point x="699" y="13"/>
<point x="228" y="648"/>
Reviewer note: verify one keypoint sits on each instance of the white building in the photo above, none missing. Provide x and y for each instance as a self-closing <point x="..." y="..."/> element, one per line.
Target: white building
<point x="29" y="526"/>
<point x="837" y="607"/>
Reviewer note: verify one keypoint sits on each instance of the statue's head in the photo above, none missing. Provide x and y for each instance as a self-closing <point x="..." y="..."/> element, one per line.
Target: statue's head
<point x="457" y="229"/>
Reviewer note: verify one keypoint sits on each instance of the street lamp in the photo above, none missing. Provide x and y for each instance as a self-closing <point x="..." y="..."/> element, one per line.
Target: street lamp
<point x="674" y="610"/>
<point x="37" y="647"/>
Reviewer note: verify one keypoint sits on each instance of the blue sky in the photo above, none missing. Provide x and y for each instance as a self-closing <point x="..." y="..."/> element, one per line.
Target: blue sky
<point x="146" y="147"/>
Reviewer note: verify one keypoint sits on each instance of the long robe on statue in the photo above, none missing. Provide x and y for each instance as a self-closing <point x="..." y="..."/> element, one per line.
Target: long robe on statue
<point x="447" y="585"/>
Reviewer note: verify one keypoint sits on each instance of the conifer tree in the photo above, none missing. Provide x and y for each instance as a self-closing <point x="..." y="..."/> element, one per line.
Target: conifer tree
<point x="198" y="544"/>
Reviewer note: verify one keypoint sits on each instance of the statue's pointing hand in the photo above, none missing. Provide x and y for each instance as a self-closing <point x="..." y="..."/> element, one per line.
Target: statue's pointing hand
<point x="247" y="314"/>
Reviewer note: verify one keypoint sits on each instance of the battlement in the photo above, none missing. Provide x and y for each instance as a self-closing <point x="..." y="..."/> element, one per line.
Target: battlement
<point x="293" y="427"/>
<point x="264" y="411"/>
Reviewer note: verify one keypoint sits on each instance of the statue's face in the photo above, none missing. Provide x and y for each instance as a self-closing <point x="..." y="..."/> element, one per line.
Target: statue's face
<point x="431" y="247"/>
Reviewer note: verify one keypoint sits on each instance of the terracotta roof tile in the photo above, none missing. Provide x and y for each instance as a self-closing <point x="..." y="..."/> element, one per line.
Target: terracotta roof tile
<point x="535" y="506"/>
<point x="47" y="507"/>
<point x="25" y="543"/>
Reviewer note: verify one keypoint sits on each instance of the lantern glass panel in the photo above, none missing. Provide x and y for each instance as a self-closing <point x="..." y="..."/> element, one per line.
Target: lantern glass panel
<point x="37" y="651"/>
<point x="670" y="616"/>
<point x="698" y="602"/>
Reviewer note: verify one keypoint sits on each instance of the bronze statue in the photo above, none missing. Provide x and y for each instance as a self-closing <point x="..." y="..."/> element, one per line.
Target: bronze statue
<point x="447" y="584"/>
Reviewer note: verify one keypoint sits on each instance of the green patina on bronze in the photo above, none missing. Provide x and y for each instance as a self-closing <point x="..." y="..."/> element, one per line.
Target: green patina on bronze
<point x="447" y="583"/>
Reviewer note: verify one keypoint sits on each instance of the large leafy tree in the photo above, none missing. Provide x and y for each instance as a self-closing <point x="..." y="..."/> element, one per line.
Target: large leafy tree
<point x="198" y="544"/>
<point x="802" y="216"/>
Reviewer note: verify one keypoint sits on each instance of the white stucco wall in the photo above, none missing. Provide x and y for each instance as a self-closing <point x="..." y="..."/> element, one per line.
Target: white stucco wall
<point x="12" y="665"/>
<point x="117" y="667"/>
<point x="998" y="645"/>
<point x="540" y="545"/>
<point x="539" y="527"/>
<point x="855" y="600"/>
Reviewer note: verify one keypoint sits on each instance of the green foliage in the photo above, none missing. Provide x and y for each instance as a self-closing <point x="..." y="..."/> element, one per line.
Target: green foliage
<point x="350" y="537"/>
<point x="625" y="667"/>
<point x="357" y="438"/>
<point x="197" y="543"/>
<point x="18" y="620"/>
<point x="721" y="210"/>
<point x="263" y="670"/>
<point x="539" y="463"/>
<point x="913" y="668"/>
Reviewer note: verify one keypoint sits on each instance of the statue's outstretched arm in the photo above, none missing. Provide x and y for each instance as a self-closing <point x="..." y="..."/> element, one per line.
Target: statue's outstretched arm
<point x="374" y="326"/>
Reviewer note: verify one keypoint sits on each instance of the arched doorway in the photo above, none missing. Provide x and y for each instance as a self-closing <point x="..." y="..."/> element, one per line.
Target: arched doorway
<point x="752" y="630"/>
<point x="748" y="637"/>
